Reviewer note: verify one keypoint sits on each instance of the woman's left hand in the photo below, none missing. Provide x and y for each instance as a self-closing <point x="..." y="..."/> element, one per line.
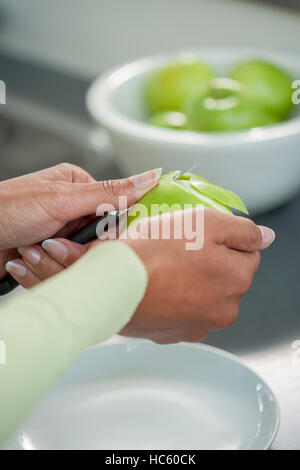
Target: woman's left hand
<point x="39" y="263"/>
<point x="58" y="201"/>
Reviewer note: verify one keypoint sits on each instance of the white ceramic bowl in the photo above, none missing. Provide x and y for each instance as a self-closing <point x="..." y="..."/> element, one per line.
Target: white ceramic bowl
<point x="262" y="165"/>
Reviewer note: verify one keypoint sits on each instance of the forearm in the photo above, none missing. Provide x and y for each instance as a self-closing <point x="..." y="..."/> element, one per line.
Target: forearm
<point x="46" y="329"/>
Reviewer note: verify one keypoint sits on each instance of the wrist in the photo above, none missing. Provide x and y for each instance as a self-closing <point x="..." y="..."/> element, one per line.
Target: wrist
<point x="99" y="294"/>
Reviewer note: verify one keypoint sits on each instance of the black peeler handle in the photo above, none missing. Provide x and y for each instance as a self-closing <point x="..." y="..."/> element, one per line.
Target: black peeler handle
<point x="85" y="235"/>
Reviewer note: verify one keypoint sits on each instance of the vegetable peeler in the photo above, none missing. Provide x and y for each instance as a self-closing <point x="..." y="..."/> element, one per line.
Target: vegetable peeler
<point x="85" y="235"/>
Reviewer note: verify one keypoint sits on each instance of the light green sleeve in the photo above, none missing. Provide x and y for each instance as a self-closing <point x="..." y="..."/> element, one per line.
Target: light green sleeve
<point x="46" y="329"/>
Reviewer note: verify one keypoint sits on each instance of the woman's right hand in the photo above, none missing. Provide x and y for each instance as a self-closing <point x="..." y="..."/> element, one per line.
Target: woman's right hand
<point x="58" y="201"/>
<point x="189" y="293"/>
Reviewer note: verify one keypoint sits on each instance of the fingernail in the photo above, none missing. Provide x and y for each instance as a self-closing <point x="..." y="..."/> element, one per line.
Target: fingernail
<point x="146" y="180"/>
<point x="30" y="254"/>
<point x="268" y="236"/>
<point x="16" y="269"/>
<point x="56" y="249"/>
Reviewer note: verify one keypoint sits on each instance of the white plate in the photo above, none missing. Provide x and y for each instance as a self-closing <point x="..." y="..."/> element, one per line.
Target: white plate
<point x="143" y="396"/>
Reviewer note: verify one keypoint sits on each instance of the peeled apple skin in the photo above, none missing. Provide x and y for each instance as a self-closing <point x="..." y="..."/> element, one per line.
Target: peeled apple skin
<point x="266" y="83"/>
<point x="169" y="192"/>
<point x="169" y="88"/>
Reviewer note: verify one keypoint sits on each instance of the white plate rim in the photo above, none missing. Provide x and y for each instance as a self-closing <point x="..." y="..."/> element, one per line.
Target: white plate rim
<point x="210" y="349"/>
<point x="222" y="353"/>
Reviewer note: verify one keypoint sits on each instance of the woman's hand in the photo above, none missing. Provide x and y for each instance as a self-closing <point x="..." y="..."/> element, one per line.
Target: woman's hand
<point x="189" y="293"/>
<point x="58" y="201"/>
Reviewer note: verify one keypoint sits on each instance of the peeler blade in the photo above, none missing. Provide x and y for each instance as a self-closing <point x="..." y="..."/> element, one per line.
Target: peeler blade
<point x="184" y="172"/>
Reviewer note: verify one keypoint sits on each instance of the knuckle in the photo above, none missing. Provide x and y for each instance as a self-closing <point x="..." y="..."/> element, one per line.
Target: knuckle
<point x="245" y="278"/>
<point x="212" y="218"/>
<point x="252" y="232"/>
<point x="232" y="317"/>
<point x="245" y="283"/>
<point x="114" y="188"/>
<point x="224" y="319"/>
<point x="257" y="259"/>
<point x="69" y="171"/>
<point x="196" y="337"/>
<point x="65" y="168"/>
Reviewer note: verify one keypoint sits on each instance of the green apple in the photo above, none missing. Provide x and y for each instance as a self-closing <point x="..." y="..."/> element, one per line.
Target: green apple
<point x="169" y="119"/>
<point x="225" y="106"/>
<point x="266" y="83"/>
<point x="173" y="194"/>
<point x="169" y="88"/>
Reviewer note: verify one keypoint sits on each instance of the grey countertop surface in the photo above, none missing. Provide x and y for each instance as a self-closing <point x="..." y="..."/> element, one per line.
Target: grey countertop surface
<point x="268" y="328"/>
<point x="269" y="323"/>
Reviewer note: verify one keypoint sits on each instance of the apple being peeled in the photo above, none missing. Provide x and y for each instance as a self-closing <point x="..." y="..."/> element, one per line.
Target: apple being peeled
<point x="173" y="194"/>
<point x="170" y="87"/>
<point x="225" y="106"/>
<point x="266" y="83"/>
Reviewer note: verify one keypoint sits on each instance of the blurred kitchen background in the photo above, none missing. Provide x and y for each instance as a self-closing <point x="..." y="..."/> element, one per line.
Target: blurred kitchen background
<point x="50" y="50"/>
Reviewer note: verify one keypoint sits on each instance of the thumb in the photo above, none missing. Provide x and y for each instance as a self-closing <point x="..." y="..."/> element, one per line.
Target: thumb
<point x="81" y="199"/>
<point x="244" y="235"/>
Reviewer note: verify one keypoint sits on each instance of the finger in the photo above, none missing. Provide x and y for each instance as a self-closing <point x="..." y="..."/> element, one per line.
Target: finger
<point x="242" y="267"/>
<point x="254" y="260"/>
<point x="53" y="258"/>
<point x="65" y="172"/>
<point x="74" y="226"/>
<point x="20" y="272"/>
<point x="6" y="256"/>
<point x="226" y="315"/>
<point x="239" y="233"/>
<point x="64" y="251"/>
<point x="104" y="196"/>
<point x="41" y="264"/>
<point x="196" y="335"/>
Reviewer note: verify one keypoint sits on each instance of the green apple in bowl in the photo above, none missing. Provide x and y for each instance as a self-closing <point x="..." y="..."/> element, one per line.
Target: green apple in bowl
<point x="169" y="88"/>
<point x="267" y="84"/>
<point x="169" y="119"/>
<point x="226" y="106"/>
<point x="175" y="192"/>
